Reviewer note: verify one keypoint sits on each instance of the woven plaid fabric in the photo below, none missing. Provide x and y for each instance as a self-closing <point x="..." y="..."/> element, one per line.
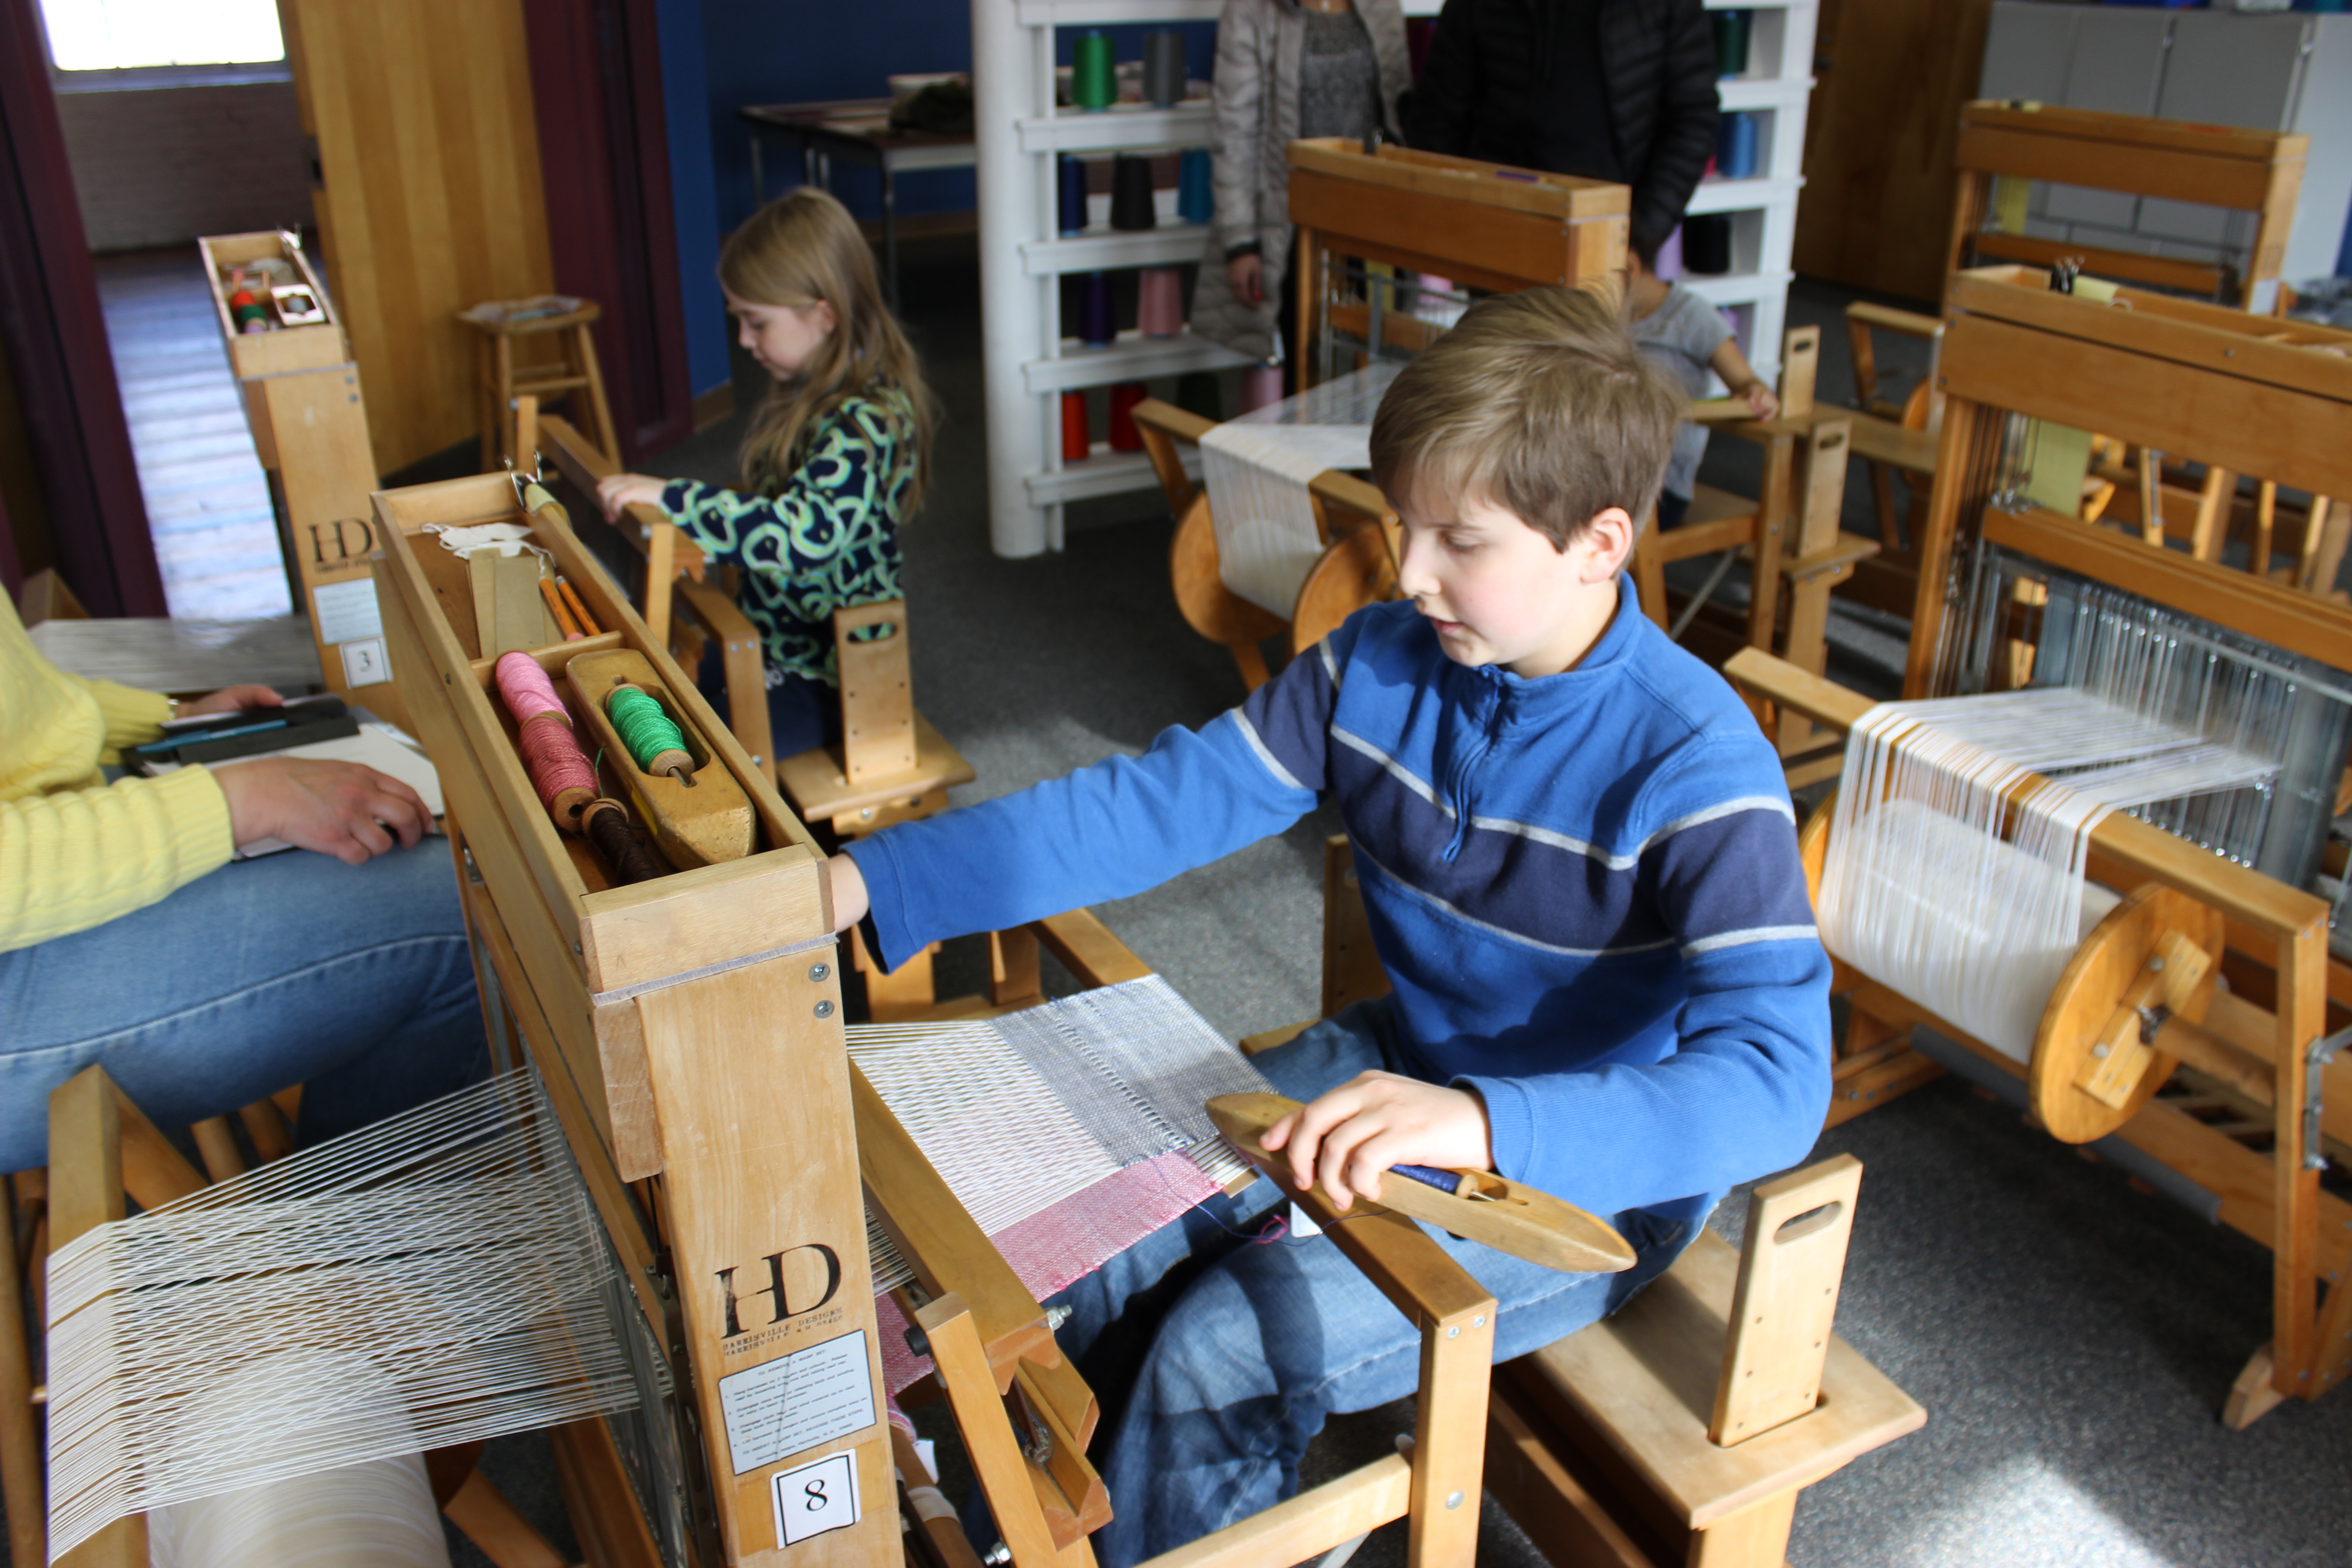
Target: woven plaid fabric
<point x="1067" y="1241"/>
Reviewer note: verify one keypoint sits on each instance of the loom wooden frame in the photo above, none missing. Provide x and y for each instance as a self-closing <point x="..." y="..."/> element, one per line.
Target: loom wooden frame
<point x="656" y="1090"/>
<point x="2176" y="376"/>
<point x="2251" y="171"/>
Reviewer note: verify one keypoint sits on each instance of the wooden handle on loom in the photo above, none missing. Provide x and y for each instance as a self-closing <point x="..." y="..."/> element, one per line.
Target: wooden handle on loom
<point x="1482" y="1207"/>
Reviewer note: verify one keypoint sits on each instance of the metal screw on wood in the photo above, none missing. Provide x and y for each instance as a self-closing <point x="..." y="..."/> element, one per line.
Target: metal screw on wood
<point x="824" y="1009"/>
<point x="1454" y="1499"/>
<point x="820" y="973"/>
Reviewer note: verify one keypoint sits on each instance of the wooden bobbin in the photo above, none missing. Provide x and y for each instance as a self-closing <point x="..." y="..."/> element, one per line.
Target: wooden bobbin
<point x="701" y="819"/>
<point x="568" y="803"/>
<point x="2093" y="1065"/>
<point x="673" y="761"/>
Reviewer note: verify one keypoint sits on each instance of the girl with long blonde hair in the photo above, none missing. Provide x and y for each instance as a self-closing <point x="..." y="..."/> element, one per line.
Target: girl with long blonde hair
<point x="833" y="461"/>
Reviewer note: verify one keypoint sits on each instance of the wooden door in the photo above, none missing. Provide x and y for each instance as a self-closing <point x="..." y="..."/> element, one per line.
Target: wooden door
<point x="1876" y="211"/>
<point x="425" y="165"/>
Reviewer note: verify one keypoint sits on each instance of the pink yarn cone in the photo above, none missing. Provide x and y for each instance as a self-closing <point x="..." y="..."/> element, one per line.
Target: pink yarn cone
<point x="1260" y="388"/>
<point x="1159" y="302"/>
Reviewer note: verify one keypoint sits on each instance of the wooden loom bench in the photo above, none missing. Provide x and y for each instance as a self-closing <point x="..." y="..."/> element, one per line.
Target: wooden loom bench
<point x="1605" y="1446"/>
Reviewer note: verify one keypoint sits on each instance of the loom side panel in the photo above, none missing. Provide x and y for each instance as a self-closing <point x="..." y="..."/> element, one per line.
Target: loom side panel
<point x="549" y="967"/>
<point x="748" y="1069"/>
<point x="1531" y="247"/>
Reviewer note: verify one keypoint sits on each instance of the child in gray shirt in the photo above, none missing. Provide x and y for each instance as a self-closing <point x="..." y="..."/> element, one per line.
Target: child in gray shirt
<point x="1690" y="338"/>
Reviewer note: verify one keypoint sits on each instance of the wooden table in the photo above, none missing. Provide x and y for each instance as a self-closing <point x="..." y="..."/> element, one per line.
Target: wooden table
<point x="858" y="130"/>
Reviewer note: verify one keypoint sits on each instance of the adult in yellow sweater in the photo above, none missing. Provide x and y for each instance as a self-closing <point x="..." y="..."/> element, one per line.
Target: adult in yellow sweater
<point x="127" y="937"/>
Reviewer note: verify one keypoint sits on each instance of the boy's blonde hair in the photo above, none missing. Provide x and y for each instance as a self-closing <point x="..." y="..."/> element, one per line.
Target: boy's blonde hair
<point x="1537" y="402"/>
<point x="802" y="248"/>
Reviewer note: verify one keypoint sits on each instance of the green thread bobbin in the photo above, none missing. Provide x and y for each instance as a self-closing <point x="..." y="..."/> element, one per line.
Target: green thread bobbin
<point x="655" y="742"/>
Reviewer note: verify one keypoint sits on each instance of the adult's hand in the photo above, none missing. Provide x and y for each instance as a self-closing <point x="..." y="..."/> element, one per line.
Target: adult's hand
<point x="618" y="492"/>
<point x="1245" y="274"/>
<point x="1346" y="1137"/>
<point x="232" y="698"/>
<point x="347" y="810"/>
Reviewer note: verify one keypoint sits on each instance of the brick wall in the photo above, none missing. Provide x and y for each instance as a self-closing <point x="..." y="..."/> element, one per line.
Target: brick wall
<point x="162" y="165"/>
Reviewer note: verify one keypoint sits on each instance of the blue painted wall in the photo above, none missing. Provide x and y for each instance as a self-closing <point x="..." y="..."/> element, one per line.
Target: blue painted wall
<point x="686" y="93"/>
<point x="796" y="51"/>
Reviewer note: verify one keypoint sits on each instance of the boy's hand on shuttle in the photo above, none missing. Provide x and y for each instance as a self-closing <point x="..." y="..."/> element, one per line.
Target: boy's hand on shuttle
<point x="1345" y="1139"/>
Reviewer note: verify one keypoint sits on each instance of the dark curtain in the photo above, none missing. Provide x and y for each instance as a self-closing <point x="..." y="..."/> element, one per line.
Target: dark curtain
<point x="604" y="156"/>
<point x="55" y="338"/>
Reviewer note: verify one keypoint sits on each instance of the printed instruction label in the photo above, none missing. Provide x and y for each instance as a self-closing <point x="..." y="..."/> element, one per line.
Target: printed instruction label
<point x="347" y="612"/>
<point x="816" y="1497"/>
<point x="797" y="1402"/>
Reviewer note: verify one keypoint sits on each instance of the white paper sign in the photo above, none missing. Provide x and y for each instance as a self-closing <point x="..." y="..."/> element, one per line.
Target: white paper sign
<point x="779" y="1409"/>
<point x="347" y="610"/>
<point x="816" y="1497"/>
<point x="365" y="662"/>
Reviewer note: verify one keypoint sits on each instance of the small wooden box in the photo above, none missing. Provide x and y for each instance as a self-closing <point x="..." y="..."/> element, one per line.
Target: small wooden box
<point x="274" y="353"/>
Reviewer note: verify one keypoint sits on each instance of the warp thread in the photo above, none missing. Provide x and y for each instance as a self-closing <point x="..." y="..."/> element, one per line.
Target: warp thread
<point x="655" y="742"/>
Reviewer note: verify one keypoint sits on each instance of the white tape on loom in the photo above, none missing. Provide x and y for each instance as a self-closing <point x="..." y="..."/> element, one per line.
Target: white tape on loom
<point x="1257" y="469"/>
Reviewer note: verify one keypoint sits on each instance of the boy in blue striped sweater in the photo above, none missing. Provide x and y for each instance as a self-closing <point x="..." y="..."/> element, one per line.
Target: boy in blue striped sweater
<point x="1580" y="862"/>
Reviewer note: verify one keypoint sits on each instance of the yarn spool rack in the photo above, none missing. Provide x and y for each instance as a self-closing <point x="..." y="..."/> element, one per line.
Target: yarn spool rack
<point x="2124" y="1013"/>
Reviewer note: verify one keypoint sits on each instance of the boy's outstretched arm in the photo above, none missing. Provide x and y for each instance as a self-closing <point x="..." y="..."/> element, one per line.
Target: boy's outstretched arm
<point x="1109" y="831"/>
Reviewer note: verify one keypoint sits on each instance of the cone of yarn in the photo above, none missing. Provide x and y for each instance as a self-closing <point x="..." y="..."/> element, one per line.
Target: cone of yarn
<point x="1097" y="319"/>
<point x="1124" y="436"/>
<point x="1159" y="301"/>
<point x="1196" y="191"/>
<point x="1094" y="72"/>
<point x="1077" y="440"/>
<point x="1260" y="388"/>
<point x="1670" y="257"/>
<point x="1731" y="34"/>
<point x="1707" y="243"/>
<point x="1131" y="206"/>
<point x="1163" y="68"/>
<point x="1073" y="175"/>
<point x="1735" y="147"/>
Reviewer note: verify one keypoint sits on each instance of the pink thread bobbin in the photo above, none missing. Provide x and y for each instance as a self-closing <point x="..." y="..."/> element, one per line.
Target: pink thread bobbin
<point x="561" y="772"/>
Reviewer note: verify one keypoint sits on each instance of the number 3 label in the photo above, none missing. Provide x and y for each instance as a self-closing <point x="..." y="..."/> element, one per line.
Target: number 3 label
<point x="816" y="1497"/>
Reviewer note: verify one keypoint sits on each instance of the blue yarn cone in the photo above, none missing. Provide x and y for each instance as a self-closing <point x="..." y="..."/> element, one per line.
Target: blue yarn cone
<point x="1074" y="196"/>
<point x="1196" y="195"/>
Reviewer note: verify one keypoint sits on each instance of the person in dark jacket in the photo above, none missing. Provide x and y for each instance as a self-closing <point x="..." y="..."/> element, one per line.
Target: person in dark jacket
<point x="1609" y="89"/>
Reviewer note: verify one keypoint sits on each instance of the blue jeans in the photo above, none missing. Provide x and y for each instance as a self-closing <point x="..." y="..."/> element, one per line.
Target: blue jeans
<point x="352" y="981"/>
<point x="1230" y="1352"/>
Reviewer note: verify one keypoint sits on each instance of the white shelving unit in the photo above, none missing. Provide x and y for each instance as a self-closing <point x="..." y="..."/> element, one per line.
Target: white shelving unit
<point x="1028" y="362"/>
<point x="1777" y="88"/>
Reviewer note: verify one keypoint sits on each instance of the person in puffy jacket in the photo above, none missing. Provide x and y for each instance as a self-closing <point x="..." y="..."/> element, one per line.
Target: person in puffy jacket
<point x="1607" y="89"/>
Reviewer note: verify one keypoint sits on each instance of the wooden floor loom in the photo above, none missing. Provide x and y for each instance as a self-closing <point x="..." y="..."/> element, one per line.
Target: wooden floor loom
<point x="2249" y="397"/>
<point x="718" y="1151"/>
<point x="2003" y="148"/>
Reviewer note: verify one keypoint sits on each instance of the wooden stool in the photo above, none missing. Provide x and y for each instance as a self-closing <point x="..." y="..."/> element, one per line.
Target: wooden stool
<point x="501" y="381"/>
